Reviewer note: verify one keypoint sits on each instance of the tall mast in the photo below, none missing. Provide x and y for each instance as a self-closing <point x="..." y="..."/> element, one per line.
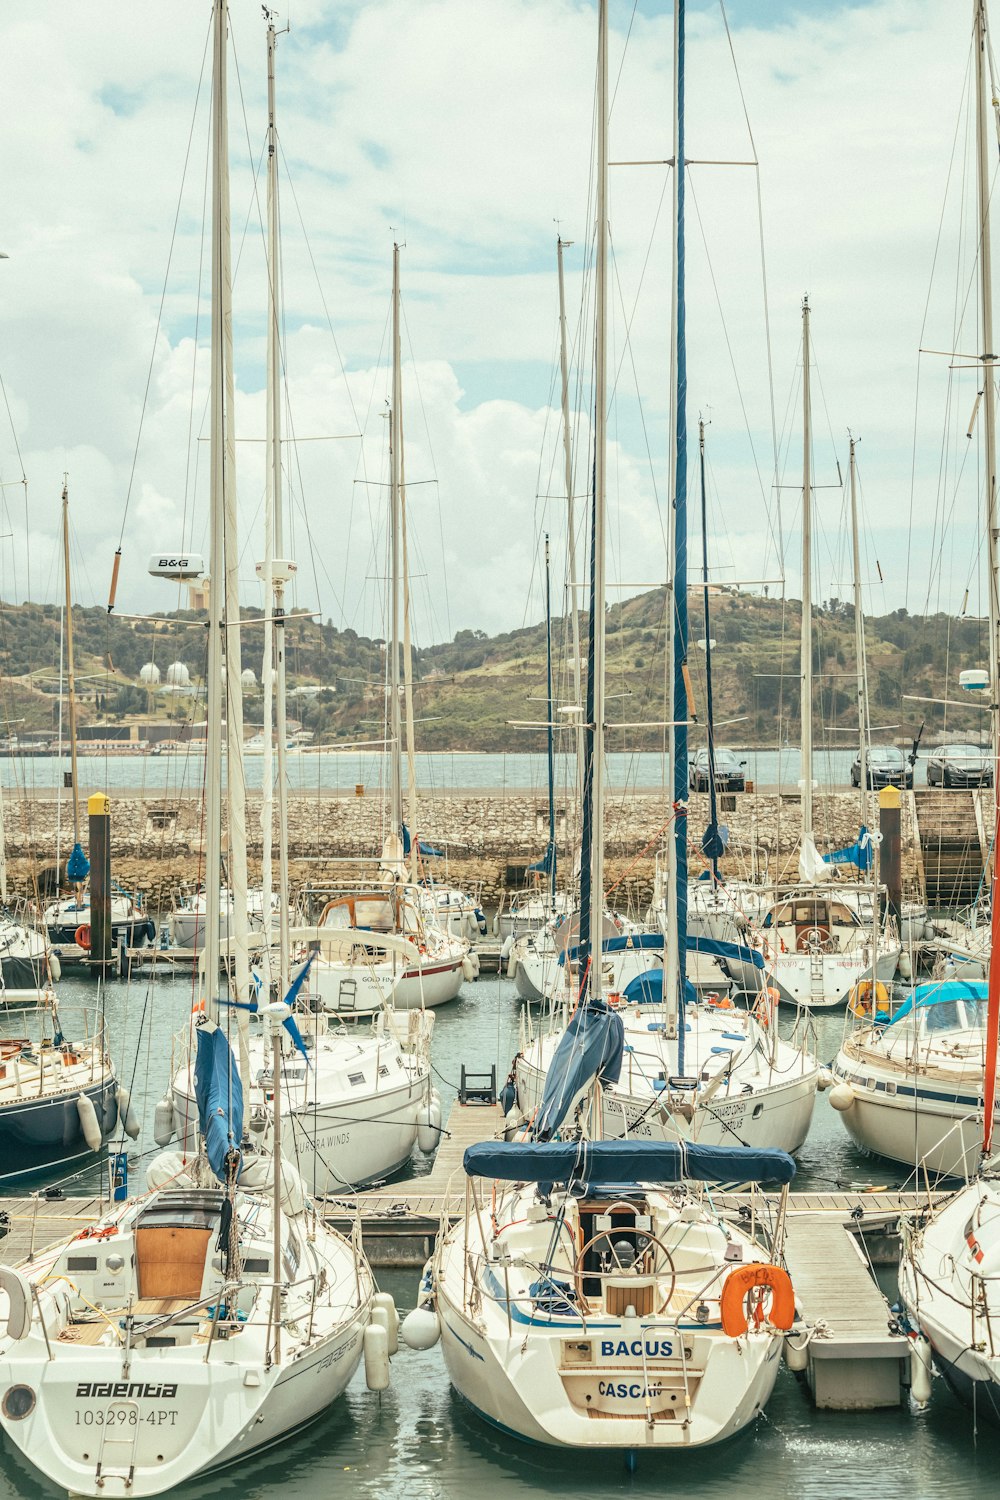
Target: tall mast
<point x="713" y="816"/>
<point x="859" y="640"/>
<point x="550" y="853"/>
<point x="983" y="101"/>
<point x="70" y="679"/>
<point x="806" y="663"/>
<point x="574" y="598"/>
<point x="276" y="565"/>
<point x="592" y="843"/>
<point x="675" y="976"/>
<point x="411" y="747"/>
<point x="224" y="662"/>
<point x="395" y="445"/>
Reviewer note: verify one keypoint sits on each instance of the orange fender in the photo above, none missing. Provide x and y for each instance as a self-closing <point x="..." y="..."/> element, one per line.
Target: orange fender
<point x="81" y="936"/>
<point x="780" y="1314"/>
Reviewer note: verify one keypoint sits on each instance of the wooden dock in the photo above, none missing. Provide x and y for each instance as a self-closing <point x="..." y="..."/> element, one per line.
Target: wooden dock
<point x="855" y="1361"/>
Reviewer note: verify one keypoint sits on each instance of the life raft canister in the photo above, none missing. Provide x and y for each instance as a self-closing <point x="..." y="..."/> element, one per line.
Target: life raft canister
<point x="732" y="1302"/>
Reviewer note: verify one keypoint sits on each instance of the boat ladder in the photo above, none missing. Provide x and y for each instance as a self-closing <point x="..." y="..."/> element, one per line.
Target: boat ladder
<point x="119" y="1438"/>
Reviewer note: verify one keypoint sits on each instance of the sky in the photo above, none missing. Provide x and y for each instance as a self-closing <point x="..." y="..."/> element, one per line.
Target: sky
<point x="465" y="133"/>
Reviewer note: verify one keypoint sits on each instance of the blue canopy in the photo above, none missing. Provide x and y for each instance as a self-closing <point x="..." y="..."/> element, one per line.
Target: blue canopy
<point x="617" y="1163"/>
<point x="940" y="992"/>
<point x="591" y="1047"/>
<point x="219" y="1094"/>
<point x="647" y="989"/>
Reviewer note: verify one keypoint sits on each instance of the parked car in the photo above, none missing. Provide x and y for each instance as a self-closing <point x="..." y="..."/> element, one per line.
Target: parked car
<point x="960" y="765"/>
<point x="887" y="766"/>
<point x="730" y="773"/>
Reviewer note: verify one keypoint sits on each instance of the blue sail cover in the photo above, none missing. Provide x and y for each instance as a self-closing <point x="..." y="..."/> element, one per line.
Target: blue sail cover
<point x="219" y="1094"/>
<point x="719" y="949"/>
<point x="591" y="1047"/>
<point x="618" y="1163"/>
<point x="546" y="864"/>
<point x="422" y="848"/>
<point x="861" y="853"/>
<point x="647" y="989"/>
<point x="621" y="943"/>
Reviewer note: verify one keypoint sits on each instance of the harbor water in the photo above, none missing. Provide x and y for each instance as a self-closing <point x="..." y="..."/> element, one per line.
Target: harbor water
<point x="418" y="1442"/>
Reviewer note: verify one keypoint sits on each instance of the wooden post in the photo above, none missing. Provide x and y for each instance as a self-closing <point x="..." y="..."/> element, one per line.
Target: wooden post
<point x="99" y="816"/>
<point x="890" y="852"/>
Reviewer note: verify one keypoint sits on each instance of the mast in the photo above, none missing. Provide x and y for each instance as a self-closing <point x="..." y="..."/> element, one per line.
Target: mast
<point x="574" y="598"/>
<point x="395" y="445"/>
<point x="806" y="663"/>
<point x="275" y="563"/>
<point x="713" y="816"/>
<point x="550" y="853"/>
<point x="983" y="103"/>
<point x="859" y="640"/>
<point x="592" y="842"/>
<point x="411" y="747"/>
<point x="70" y="679"/>
<point x="675" y="957"/>
<point x="224" y="663"/>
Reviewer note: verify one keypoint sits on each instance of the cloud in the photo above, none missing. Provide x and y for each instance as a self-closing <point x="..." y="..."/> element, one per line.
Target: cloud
<point x="466" y="133"/>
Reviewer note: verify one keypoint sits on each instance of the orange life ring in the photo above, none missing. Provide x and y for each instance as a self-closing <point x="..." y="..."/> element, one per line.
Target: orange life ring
<point x="198" y="1009"/>
<point x="732" y="1309"/>
<point x="81" y="936"/>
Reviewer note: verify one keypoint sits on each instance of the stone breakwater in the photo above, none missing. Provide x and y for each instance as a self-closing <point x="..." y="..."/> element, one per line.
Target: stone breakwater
<point x="488" y="838"/>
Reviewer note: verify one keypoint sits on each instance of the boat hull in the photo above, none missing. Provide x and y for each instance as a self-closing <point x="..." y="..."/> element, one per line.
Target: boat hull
<point x="39" y="1133"/>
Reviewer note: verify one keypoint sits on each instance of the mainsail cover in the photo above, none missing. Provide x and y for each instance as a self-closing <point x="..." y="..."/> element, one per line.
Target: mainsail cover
<point x="219" y="1095"/>
<point x="591" y="1047"/>
<point x="620" y="1163"/>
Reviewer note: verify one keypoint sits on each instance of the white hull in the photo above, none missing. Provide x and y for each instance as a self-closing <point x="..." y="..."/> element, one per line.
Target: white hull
<point x="422" y="988"/>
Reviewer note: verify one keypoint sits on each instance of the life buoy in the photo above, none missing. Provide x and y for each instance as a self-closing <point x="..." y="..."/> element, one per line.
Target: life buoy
<point x="859" y="1001"/>
<point x="780" y="1312"/>
<point x="81" y="936"/>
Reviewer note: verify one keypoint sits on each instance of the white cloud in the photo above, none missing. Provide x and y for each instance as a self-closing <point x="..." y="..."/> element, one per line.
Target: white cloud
<point x="469" y="130"/>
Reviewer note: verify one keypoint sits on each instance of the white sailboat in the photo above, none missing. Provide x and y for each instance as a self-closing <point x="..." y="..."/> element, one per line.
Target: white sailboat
<point x="590" y="1308"/>
<point x="910" y="1086"/>
<point x="216" y="1314"/>
<point x="354" y="1104"/>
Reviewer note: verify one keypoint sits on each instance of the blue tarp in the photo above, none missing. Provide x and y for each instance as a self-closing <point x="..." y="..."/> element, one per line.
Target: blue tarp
<point x="861" y="854"/>
<point x="219" y="1094"/>
<point x="617" y="1163"/>
<point x="940" y="993"/>
<point x="591" y="1047"/>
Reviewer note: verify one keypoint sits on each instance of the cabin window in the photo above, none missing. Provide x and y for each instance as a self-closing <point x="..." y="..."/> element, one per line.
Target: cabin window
<point x="355" y="1078"/>
<point x="944" y="1016"/>
<point x="383" y="1071"/>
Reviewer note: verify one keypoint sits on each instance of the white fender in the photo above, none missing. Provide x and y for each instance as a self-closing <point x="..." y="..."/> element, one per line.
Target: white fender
<point x="797" y="1350"/>
<point x="429" y="1126"/>
<point x="383" y="1302"/>
<point x="55" y="968"/>
<point x="18" y="1289"/>
<point x="825" y="1081"/>
<point x="468" y="969"/>
<point x="512" y="966"/>
<point x="842" y="1097"/>
<point x="126" y="1114"/>
<point x="904" y="966"/>
<point x="164" y="1125"/>
<point x="376" y="1357"/>
<point x="89" y="1123"/>
<point x="421" y="1328"/>
<point x="920" y="1370"/>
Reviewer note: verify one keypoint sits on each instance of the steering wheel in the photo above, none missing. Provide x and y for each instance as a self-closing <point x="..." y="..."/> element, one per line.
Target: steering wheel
<point x="811" y="940"/>
<point x="579" y="1271"/>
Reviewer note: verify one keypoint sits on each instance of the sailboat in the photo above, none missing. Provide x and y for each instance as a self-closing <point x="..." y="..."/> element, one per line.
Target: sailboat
<point x="819" y="937"/>
<point x="432" y="969"/>
<point x="693" y="1070"/>
<point x="910" y="1086"/>
<point x="601" y="1302"/>
<point x="67" y="919"/>
<point x="216" y="1314"/>
<point x="354" y="1105"/>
